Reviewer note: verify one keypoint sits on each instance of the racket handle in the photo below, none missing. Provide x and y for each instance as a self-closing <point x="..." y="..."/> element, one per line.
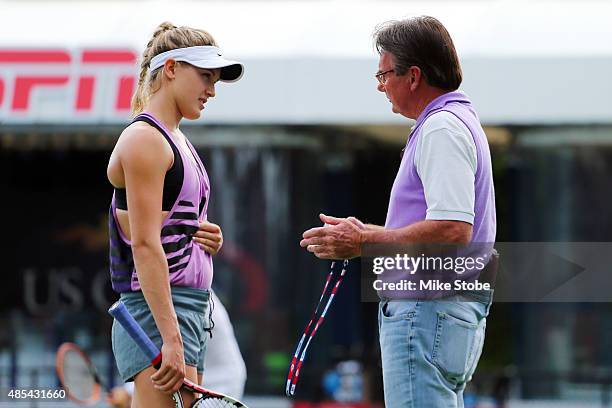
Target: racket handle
<point x="120" y="312"/>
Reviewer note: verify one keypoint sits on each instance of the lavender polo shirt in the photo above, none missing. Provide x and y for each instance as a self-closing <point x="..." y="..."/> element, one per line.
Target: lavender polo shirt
<point x="445" y="172"/>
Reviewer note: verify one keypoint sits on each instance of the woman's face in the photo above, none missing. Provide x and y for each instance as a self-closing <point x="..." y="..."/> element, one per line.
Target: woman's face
<point x="192" y="87"/>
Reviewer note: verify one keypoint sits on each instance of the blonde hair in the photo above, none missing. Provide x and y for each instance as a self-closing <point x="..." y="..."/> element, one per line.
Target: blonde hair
<point x="166" y="37"/>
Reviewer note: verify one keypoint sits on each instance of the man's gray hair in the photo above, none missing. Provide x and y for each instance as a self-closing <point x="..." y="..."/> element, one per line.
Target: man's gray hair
<point x="424" y="42"/>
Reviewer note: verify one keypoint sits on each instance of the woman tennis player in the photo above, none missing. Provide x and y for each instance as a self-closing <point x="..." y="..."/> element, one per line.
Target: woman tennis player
<point x="160" y="240"/>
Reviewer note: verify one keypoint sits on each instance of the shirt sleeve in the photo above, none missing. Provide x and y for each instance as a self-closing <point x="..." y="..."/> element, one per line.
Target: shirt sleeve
<point x="446" y="163"/>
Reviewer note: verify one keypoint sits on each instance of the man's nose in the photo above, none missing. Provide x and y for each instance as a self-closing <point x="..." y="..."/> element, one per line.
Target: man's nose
<point x="380" y="87"/>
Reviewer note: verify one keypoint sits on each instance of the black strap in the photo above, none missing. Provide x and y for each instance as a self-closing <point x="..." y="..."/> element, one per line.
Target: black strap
<point x="173" y="181"/>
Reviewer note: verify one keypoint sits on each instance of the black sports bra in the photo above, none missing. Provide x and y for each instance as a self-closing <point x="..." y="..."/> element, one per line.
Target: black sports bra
<point x="173" y="181"/>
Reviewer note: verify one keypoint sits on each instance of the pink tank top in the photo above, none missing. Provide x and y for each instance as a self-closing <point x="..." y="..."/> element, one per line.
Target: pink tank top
<point x="188" y="264"/>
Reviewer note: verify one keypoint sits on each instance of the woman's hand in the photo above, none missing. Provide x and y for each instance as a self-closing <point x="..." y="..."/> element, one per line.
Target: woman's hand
<point x="169" y="378"/>
<point x="119" y="398"/>
<point x="209" y="237"/>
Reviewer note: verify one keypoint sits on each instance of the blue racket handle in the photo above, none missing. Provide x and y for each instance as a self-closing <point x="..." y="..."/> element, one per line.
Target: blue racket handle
<point x="120" y="312"/>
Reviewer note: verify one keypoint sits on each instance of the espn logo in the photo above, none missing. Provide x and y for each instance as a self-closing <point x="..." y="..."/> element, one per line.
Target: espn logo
<point x="57" y="85"/>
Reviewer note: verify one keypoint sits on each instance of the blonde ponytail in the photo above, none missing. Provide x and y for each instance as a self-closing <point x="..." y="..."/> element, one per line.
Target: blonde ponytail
<point x="141" y="96"/>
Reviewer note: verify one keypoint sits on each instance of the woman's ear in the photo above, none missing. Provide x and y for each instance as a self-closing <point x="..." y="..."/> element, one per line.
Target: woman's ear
<point x="170" y="68"/>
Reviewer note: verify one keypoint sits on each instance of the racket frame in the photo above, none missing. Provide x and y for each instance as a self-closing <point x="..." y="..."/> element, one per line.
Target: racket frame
<point x="300" y="354"/>
<point x="99" y="385"/>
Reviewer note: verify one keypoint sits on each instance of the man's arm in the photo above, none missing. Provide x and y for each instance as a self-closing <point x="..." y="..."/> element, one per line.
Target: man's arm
<point x="343" y="239"/>
<point x="446" y="164"/>
<point x="372" y="227"/>
<point x="427" y="231"/>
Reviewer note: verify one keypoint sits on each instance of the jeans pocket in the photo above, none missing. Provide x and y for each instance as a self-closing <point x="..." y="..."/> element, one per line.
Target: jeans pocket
<point x="392" y="311"/>
<point x="454" y="346"/>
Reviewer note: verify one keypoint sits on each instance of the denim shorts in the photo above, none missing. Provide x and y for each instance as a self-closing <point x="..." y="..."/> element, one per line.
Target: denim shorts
<point x="191" y="307"/>
<point x="430" y="348"/>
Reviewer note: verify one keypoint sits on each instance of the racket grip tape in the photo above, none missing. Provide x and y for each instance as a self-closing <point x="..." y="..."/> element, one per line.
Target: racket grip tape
<point x="123" y="316"/>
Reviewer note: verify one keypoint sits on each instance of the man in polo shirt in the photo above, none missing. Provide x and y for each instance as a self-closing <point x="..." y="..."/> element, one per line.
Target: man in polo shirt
<point x="443" y="192"/>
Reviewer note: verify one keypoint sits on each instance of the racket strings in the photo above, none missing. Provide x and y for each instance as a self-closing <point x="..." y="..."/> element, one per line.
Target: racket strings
<point x="78" y="379"/>
<point x="300" y="352"/>
<point x="215" y="402"/>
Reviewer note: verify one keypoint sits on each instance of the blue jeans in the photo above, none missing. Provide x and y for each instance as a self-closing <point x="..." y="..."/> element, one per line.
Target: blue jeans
<point x="430" y="348"/>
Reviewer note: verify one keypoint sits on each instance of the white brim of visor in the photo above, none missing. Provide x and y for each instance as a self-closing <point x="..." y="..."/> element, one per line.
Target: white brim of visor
<point x="207" y="57"/>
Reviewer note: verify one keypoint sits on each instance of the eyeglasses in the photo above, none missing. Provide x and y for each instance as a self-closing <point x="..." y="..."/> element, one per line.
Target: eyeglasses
<point x="381" y="76"/>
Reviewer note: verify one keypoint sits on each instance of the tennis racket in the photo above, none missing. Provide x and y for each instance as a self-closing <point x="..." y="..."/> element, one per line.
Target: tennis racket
<point x="78" y="375"/>
<point x="208" y="399"/>
<point x="300" y="352"/>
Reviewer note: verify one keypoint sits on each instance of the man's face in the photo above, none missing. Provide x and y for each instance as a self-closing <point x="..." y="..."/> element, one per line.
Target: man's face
<point x="397" y="88"/>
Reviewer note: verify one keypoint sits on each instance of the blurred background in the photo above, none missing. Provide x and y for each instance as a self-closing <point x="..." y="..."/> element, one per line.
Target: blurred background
<point x="304" y="132"/>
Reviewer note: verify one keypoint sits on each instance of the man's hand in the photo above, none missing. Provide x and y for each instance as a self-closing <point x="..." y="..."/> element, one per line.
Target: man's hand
<point x="340" y="239"/>
<point x="209" y="237"/>
<point x="355" y="222"/>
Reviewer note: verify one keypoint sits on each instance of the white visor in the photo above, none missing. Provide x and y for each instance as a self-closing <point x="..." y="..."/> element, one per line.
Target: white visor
<point x="204" y="56"/>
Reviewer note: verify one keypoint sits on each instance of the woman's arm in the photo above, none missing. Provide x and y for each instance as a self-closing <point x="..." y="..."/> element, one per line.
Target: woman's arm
<point x="145" y="157"/>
